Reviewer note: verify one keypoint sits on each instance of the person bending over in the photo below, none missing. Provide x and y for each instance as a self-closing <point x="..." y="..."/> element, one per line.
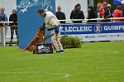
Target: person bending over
<point x="52" y="24"/>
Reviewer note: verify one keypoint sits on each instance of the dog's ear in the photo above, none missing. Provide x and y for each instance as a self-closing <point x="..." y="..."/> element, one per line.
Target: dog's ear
<point x="42" y="27"/>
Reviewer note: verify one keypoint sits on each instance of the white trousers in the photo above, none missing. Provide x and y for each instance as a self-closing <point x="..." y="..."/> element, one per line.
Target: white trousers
<point x="56" y="40"/>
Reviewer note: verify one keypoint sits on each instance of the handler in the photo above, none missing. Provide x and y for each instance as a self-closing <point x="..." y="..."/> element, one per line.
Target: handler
<point x="52" y="24"/>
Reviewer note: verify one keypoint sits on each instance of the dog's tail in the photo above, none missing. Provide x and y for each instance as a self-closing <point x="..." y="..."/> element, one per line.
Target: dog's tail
<point x="22" y="50"/>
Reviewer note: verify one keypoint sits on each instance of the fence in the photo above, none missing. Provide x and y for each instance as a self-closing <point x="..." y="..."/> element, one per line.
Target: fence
<point x="5" y="32"/>
<point x="96" y="31"/>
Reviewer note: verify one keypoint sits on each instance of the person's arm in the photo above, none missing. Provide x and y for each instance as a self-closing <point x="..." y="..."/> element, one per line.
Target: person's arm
<point x="107" y="14"/>
<point x="53" y="21"/>
<point x="57" y="15"/>
<point x="116" y="13"/>
<point x="122" y="12"/>
<point x="88" y="15"/>
<point x="101" y="12"/>
<point x="82" y="15"/>
<point x="64" y="16"/>
<point x="15" y="19"/>
<point x="6" y="19"/>
<point x="95" y="15"/>
<point x="10" y="18"/>
<point x="71" y="16"/>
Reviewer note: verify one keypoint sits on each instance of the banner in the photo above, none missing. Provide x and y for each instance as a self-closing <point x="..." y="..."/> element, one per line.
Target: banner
<point x="95" y="32"/>
<point x="118" y="2"/>
<point x="29" y="20"/>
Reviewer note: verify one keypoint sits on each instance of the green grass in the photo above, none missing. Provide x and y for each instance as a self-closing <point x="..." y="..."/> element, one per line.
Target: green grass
<point x="94" y="62"/>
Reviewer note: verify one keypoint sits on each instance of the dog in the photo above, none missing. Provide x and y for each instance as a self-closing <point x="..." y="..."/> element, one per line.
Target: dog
<point x="38" y="38"/>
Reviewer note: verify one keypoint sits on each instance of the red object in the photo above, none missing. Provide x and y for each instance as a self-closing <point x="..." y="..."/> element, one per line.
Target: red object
<point x="117" y="13"/>
<point x="101" y="11"/>
<point x="104" y="3"/>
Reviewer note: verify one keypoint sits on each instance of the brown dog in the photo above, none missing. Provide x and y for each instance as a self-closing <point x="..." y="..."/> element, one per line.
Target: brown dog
<point x="38" y="38"/>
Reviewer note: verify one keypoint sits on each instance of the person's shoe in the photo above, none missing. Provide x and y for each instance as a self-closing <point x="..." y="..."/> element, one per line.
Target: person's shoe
<point x="61" y="51"/>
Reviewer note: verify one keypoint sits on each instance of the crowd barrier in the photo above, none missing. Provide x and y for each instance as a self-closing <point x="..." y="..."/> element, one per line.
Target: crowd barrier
<point x="3" y="26"/>
<point x="98" y="31"/>
<point x="95" y="32"/>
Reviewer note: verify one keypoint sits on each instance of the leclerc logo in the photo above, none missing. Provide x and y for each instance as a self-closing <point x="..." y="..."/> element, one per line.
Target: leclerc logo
<point x="98" y="28"/>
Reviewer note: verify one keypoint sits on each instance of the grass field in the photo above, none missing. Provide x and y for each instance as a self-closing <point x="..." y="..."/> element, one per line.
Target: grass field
<point x="94" y="62"/>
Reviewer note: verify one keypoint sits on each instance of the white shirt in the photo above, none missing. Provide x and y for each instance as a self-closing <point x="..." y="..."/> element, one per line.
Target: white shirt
<point x="50" y="20"/>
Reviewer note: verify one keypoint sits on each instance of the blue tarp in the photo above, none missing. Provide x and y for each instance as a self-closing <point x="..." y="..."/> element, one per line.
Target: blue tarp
<point x="117" y="2"/>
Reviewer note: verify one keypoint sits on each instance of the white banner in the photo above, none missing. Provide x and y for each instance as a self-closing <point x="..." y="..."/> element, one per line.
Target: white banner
<point x="100" y="37"/>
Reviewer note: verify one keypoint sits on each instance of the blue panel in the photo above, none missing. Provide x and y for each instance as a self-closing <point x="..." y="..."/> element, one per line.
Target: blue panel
<point x="117" y="2"/>
<point x="29" y="20"/>
<point x="74" y="29"/>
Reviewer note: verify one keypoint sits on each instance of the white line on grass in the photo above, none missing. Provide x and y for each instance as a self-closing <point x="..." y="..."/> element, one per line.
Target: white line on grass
<point x="115" y="52"/>
<point x="64" y="75"/>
